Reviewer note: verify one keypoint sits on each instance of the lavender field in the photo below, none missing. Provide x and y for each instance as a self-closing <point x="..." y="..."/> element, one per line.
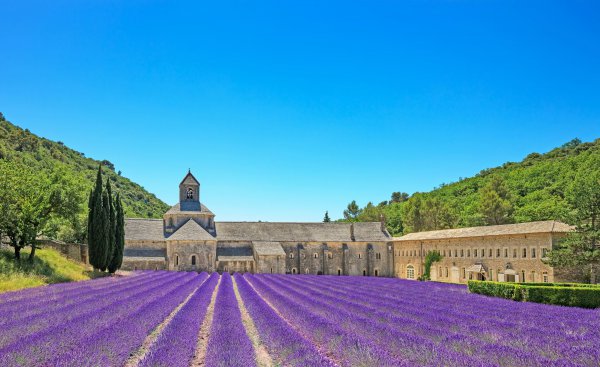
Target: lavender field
<point x="189" y="319"/>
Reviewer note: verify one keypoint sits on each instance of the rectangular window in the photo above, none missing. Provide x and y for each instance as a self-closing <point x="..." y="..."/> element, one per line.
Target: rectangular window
<point x="533" y="253"/>
<point x="360" y="256"/>
<point x="491" y="253"/>
<point x="464" y="273"/>
<point x="524" y="253"/>
<point x="462" y="253"/>
<point x="446" y="272"/>
<point x="515" y="253"/>
<point x="545" y="277"/>
<point x="444" y="252"/>
<point x="497" y="252"/>
<point x="491" y="275"/>
<point x="505" y="252"/>
<point x="475" y="253"/>
<point x="482" y="252"/>
<point x="455" y="253"/>
<point x="468" y="253"/>
<point x="544" y="252"/>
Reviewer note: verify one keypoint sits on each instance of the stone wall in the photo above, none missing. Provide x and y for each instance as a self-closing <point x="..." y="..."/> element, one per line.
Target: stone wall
<point x="181" y="255"/>
<point x="500" y="256"/>
<point x="73" y="251"/>
<point x="337" y="258"/>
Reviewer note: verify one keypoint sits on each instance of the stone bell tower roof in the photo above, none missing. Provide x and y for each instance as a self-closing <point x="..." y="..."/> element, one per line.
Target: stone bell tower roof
<point x="189" y="193"/>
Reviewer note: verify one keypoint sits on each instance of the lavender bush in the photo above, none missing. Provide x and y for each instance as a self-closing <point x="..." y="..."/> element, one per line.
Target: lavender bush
<point x="229" y="345"/>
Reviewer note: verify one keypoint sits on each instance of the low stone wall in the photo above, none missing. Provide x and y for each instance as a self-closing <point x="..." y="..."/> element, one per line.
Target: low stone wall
<point x="73" y="251"/>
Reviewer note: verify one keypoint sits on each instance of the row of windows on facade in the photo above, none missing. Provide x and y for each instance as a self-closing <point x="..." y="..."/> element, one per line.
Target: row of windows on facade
<point x="192" y="259"/>
<point x="410" y="274"/>
<point x="330" y="256"/>
<point x="479" y="253"/>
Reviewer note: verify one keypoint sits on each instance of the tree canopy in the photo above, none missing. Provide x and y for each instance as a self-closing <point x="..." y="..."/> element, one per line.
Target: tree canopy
<point x="531" y="190"/>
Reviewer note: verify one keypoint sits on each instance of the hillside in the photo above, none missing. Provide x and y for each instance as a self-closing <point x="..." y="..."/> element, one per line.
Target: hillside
<point x="43" y="155"/>
<point x="537" y="189"/>
<point x="49" y="267"/>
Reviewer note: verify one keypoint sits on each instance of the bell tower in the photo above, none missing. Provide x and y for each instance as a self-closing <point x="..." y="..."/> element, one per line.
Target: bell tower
<point x="189" y="193"/>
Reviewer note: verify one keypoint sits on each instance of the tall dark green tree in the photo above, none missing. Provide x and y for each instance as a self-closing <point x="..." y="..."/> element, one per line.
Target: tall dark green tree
<point x="104" y="232"/>
<point x="495" y="202"/>
<point x="326" y="219"/>
<point x="117" y="258"/>
<point x="352" y="211"/>
<point x="581" y="248"/>
<point x="111" y="223"/>
<point x="98" y="226"/>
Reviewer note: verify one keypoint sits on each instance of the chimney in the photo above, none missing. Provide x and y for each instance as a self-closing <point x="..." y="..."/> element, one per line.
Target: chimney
<point x="352" y="231"/>
<point x="382" y="220"/>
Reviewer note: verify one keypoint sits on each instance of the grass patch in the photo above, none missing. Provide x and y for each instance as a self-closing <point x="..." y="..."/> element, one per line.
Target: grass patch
<point x="49" y="266"/>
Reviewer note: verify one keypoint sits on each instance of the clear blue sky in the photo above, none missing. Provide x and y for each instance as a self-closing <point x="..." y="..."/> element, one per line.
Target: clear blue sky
<point x="286" y="109"/>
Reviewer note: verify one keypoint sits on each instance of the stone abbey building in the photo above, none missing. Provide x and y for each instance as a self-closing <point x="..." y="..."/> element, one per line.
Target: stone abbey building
<point x="504" y="253"/>
<point x="189" y="238"/>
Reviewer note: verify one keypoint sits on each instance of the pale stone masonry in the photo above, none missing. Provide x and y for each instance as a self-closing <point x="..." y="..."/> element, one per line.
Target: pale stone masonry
<point x="188" y="238"/>
<point x="511" y="252"/>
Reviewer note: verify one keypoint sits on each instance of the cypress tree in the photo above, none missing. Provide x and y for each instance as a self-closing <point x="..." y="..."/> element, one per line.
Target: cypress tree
<point x="111" y="224"/>
<point x="103" y="232"/>
<point x="117" y="258"/>
<point x="95" y="246"/>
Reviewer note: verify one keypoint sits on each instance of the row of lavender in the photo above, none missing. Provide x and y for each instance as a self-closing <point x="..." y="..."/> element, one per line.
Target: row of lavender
<point x="389" y="322"/>
<point x="98" y="323"/>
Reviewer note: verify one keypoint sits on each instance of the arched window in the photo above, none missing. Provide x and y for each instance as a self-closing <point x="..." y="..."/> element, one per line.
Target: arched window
<point x="293" y="270"/>
<point x="316" y="255"/>
<point x="176" y="260"/>
<point x="190" y="193"/>
<point x="339" y="272"/>
<point x="410" y="272"/>
<point x="306" y="271"/>
<point x="193" y="260"/>
<point x="364" y="273"/>
<point x="376" y="272"/>
<point x="291" y="255"/>
<point x="271" y="270"/>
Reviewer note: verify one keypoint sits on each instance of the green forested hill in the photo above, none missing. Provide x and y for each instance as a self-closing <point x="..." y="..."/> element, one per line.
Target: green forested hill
<point x="534" y="189"/>
<point x="43" y="155"/>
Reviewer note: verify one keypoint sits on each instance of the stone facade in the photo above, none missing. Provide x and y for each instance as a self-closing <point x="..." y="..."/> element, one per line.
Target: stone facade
<point x="188" y="238"/>
<point x="511" y="252"/>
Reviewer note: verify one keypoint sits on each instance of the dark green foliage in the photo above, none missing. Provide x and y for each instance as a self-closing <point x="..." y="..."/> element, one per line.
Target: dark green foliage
<point x="587" y="296"/>
<point x="326" y="219"/>
<point x="352" y="211"/>
<point x="430" y="258"/>
<point x="44" y="156"/>
<point x="532" y="190"/>
<point x="495" y="203"/>
<point x="30" y="202"/>
<point x="117" y="256"/>
<point x="581" y="248"/>
<point x="112" y="223"/>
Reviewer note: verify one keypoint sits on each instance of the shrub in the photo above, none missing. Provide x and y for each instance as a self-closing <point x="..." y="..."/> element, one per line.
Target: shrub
<point x="567" y="294"/>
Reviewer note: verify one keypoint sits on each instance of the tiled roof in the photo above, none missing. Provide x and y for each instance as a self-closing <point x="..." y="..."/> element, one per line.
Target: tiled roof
<point x="152" y="230"/>
<point x="144" y="229"/>
<point x="144" y="252"/>
<point x="302" y="232"/>
<point x="549" y="226"/>
<point x="234" y="251"/>
<point x="268" y="248"/>
<point x="191" y="231"/>
<point x="176" y="209"/>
